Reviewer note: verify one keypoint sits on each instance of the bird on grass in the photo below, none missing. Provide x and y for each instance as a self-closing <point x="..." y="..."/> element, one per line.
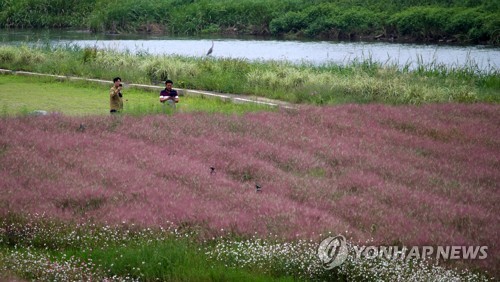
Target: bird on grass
<point x="211" y="49"/>
<point x="258" y="188"/>
<point x="81" y="128"/>
<point x="212" y="170"/>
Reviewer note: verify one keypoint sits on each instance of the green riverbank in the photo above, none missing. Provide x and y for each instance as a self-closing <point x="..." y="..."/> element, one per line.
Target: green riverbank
<point x="360" y="82"/>
<point x="454" y="21"/>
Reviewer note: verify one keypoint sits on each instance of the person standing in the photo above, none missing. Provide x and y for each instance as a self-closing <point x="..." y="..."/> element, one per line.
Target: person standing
<point x="168" y="94"/>
<point x="115" y="96"/>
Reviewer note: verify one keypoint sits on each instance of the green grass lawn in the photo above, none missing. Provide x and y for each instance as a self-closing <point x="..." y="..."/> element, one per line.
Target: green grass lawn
<point x="22" y="95"/>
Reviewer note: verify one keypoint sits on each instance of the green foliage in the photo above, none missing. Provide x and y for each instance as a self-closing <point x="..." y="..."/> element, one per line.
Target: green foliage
<point x="362" y="81"/>
<point x="128" y="15"/>
<point x="464" y="21"/>
<point x="20" y="56"/>
<point x="360" y="21"/>
<point x="44" y="13"/>
<point x="89" y="54"/>
<point x="289" y="22"/>
<point x="51" y="250"/>
<point x="492" y="27"/>
<point x="163" y="68"/>
<point x="422" y="23"/>
<point x="242" y="17"/>
<point x="7" y="55"/>
<point x="470" y="25"/>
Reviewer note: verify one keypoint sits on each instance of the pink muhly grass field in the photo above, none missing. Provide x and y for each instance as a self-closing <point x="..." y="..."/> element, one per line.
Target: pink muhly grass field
<point x="404" y="175"/>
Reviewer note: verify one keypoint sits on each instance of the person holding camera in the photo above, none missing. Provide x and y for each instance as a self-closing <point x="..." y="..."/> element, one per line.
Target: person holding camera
<point x="168" y="94"/>
<point x="115" y="96"/>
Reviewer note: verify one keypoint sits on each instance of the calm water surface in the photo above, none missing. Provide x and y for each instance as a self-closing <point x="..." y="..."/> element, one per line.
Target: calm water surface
<point x="480" y="58"/>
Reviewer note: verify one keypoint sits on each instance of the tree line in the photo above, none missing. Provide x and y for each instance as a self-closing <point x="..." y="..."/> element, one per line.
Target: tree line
<point x="462" y="21"/>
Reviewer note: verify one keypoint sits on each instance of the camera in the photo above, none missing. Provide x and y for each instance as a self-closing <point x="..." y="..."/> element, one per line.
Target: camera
<point x="120" y="93"/>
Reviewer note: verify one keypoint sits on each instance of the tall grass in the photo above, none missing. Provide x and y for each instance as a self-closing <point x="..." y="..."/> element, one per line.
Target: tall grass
<point x="423" y="20"/>
<point x="39" y="248"/>
<point x="361" y="81"/>
<point x="376" y="171"/>
<point x="45" y="13"/>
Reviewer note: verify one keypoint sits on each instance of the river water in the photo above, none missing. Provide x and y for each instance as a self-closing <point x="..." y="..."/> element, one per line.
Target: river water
<point x="478" y="58"/>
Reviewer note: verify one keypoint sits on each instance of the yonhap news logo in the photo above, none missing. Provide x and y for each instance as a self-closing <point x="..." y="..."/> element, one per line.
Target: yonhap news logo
<point x="333" y="251"/>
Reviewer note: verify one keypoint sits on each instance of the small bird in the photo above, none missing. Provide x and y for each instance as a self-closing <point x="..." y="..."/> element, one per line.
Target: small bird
<point x="212" y="170"/>
<point x="81" y="128"/>
<point x="258" y="188"/>
<point x="211" y="49"/>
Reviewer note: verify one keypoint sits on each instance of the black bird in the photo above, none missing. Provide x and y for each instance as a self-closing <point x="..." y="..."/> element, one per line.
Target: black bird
<point x="81" y="128"/>
<point x="212" y="170"/>
<point x="258" y="188"/>
<point x="211" y="49"/>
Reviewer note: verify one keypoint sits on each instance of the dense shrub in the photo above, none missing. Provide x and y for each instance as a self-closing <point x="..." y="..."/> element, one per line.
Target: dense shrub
<point x="327" y="20"/>
<point x="493" y="27"/>
<point x="128" y="15"/>
<point x="7" y="55"/>
<point x="423" y="23"/>
<point x="431" y="23"/>
<point x="289" y="22"/>
<point x="44" y="13"/>
<point x="426" y="20"/>
<point x="360" y="21"/>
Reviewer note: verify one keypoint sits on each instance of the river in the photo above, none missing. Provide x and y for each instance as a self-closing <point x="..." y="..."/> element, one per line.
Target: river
<point x="477" y="58"/>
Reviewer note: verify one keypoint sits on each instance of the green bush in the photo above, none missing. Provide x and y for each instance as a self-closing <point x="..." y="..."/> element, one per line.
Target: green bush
<point x="322" y="21"/>
<point x="248" y="17"/>
<point x="423" y="23"/>
<point x="471" y="25"/>
<point x="360" y="21"/>
<point x="466" y="21"/>
<point x="7" y="55"/>
<point x="127" y="15"/>
<point x="289" y="22"/>
<point x="327" y="20"/>
<point x="463" y="19"/>
<point x="492" y="26"/>
<point x="45" y="13"/>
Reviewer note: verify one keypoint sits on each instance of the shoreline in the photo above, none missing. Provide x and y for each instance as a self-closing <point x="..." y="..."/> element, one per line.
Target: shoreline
<point x="366" y="38"/>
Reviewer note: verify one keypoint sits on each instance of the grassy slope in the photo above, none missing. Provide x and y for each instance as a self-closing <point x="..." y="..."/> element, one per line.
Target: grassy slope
<point x="19" y="94"/>
<point x="359" y="82"/>
<point x="25" y="94"/>
<point x="373" y="170"/>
